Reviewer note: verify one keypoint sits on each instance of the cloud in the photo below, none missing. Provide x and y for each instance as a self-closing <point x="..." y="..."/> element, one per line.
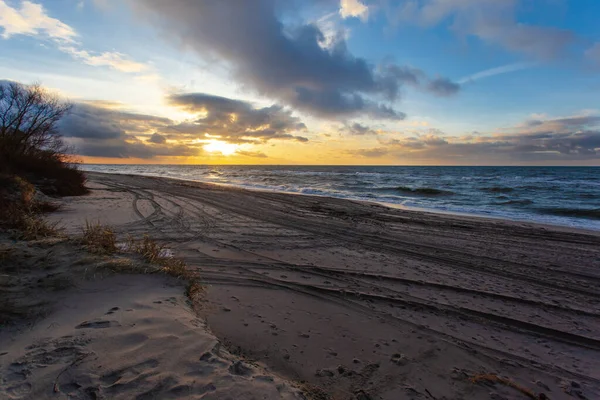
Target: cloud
<point x="287" y="63"/>
<point x="354" y="8"/>
<point x="493" y="21"/>
<point x="157" y="138"/>
<point x="358" y="129"/>
<point x="114" y="60"/>
<point x="238" y="121"/>
<point x="575" y="138"/>
<point x="97" y="131"/>
<point x="369" y="153"/>
<point x="443" y="87"/>
<point x="256" y="154"/>
<point x="496" y="71"/>
<point x="103" y="129"/>
<point x="31" y="20"/>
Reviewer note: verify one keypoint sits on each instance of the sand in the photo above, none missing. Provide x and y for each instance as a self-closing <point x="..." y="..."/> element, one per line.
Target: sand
<point x="101" y="335"/>
<point x="362" y="301"/>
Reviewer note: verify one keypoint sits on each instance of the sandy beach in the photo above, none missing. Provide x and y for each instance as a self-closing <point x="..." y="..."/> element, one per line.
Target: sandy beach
<point x="353" y="300"/>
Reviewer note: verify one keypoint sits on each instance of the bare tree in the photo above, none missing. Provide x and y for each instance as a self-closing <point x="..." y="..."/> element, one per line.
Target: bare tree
<point x="28" y="119"/>
<point x="31" y="146"/>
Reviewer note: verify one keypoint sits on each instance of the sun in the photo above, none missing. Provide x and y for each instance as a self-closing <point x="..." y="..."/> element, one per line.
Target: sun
<point x="216" y="146"/>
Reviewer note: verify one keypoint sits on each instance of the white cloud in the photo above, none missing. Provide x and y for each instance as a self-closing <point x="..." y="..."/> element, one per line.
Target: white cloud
<point x="332" y="29"/>
<point x="114" y="60"/>
<point x="496" y="71"/>
<point x="354" y="8"/>
<point x="31" y="20"/>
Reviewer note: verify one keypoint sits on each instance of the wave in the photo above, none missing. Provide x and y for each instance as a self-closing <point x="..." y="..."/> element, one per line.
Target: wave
<point x="592" y="213"/>
<point x="498" y="189"/>
<point x="425" y="191"/>
<point x="524" y="202"/>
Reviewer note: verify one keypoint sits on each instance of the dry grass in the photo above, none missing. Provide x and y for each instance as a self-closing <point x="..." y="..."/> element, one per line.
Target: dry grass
<point x="149" y="249"/>
<point x="33" y="227"/>
<point x="155" y="253"/>
<point x="99" y="239"/>
<point x="102" y="239"/>
<point x="491" y="378"/>
<point x="19" y="210"/>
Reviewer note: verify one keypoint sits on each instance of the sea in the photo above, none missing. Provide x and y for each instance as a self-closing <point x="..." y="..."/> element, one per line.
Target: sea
<point x="566" y="196"/>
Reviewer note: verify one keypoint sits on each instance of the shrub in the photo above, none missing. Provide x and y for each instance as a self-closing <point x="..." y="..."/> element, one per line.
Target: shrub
<point x="30" y="144"/>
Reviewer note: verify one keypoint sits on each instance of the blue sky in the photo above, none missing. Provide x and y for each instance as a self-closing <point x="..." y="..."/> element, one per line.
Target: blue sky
<point x="319" y="81"/>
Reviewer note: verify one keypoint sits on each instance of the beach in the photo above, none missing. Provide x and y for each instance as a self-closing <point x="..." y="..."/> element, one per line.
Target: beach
<point x="356" y="300"/>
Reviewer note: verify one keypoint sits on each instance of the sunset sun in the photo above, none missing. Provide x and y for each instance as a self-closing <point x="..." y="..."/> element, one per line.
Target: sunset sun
<point x="216" y="146"/>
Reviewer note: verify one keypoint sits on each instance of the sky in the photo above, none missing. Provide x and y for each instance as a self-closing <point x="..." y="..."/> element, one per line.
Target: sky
<point x="327" y="82"/>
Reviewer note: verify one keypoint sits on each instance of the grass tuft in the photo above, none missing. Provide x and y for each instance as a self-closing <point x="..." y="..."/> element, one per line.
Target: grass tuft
<point x="154" y="253"/>
<point x="102" y="239"/>
<point x="149" y="249"/>
<point x="33" y="227"/>
<point x="20" y="211"/>
<point x="99" y="239"/>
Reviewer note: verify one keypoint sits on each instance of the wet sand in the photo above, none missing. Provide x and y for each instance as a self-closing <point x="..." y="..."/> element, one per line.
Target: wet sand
<point x="363" y="301"/>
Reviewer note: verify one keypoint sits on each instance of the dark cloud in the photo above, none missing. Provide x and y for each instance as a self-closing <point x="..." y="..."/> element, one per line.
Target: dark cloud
<point x="97" y="122"/>
<point x="289" y="63"/>
<point x="120" y="148"/>
<point x="443" y="87"/>
<point x="358" y="129"/>
<point x="102" y="130"/>
<point x="237" y="121"/>
<point x="106" y="132"/>
<point x="369" y="153"/>
<point x="553" y="140"/>
<point x="157" y="138"/>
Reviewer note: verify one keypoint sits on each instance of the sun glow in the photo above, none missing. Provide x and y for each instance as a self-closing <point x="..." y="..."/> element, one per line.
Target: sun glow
<point x="216" y="146"/>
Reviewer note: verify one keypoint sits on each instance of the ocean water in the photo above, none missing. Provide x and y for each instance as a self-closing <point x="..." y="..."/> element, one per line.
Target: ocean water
<point x="568" y="196"/>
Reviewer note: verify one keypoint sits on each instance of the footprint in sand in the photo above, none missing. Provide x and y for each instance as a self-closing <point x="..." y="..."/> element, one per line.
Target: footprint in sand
<point x="113" y="377"/>
<point x="239" y="368"/>
<point x="19" y="391"/>
<point x="97" y="324"/>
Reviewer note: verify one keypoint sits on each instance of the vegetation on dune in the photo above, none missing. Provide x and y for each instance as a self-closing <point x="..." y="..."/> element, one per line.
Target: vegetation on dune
<point x="155" y="253"/>
<point x="35" y="162"/>
<point x="99" y="239"/>
<point x="20" y="209"/>
<point x="30" y="142"/>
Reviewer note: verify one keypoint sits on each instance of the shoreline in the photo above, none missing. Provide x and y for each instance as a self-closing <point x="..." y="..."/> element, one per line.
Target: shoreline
<point x="490" y="218"/>
<point x="357" y="299"/>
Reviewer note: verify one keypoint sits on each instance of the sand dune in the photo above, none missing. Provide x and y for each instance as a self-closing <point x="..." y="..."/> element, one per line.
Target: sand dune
<point x="364" y="301"/>
<point x="106" y="336"/>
